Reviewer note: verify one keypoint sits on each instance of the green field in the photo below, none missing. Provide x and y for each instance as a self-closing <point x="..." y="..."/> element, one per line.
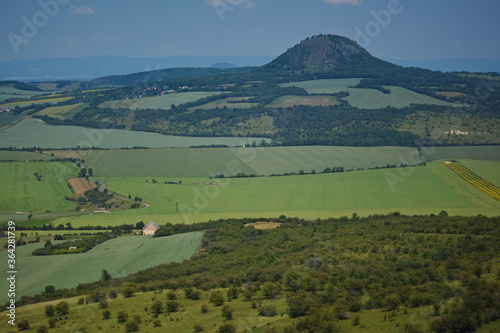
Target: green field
<point x="32" y="133"/>
<point x="291" y="101"/>
<point x="228" y="102"/>
<point x="6" y="155"/>
<point x="204" y="162"/>
<point x="489" y="170"/>
<point x="120" y="257"/>
<point x="367" y="98"/>
<point x="9" y="92"/>
<point x="22" y="192"/>
<point x="62" y="112"/>
<point x="157" y="102"/>
<point x="420" y="190"/>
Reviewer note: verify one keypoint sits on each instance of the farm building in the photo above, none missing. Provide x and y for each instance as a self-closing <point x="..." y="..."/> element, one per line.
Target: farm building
<point x="150" y="228"/>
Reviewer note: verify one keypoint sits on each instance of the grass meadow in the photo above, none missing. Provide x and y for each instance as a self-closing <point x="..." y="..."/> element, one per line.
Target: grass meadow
<point x="22" y="192"/>
<point x="120" y="257"/>
<point x="163" y="102"/>
<point x="9" y="92"/>
<point x="367" y="98"/>
<point x="32" y="133"/>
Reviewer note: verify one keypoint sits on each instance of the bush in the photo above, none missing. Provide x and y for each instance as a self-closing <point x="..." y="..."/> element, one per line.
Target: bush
<point x="157" y="323"/>
<point x="198" y="328"/>
<point x="103" y="303"/>
<point x="42" y="329"/>
<point x="122" y="317"/>
<point x="172" y="306"/>
<point x="49" y="310"/>
<point x="204" y="308"/>
<point x="227" y="328"/>
<point x="216" y="297"/>
<point x="52" y="322"/>
<point x="113" y="293"/>
<point x="106" y="314"/>
<point x="227" y="312"/>
<point x="267" y="310"/>
<point x="23" y="325"/>
<point x="157" y="307"/>
<point x="171" y="295"/>
<point x="128" y="292"/>
<point x="62" y="308"/>
<point x="132" y="326"/>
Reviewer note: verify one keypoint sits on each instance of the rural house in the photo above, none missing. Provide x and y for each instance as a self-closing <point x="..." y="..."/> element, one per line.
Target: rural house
<point x="150" y="228"/>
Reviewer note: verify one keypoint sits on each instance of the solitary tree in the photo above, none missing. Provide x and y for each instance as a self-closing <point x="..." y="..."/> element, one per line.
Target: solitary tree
<point x="105" y="275"/>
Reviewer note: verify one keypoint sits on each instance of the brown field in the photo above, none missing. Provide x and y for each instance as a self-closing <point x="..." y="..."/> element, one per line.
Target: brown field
<point x="66" y="153"/>
<point x="80" y="185"/>
<point x="264" y="225"/>
<point x="314" y="100"/>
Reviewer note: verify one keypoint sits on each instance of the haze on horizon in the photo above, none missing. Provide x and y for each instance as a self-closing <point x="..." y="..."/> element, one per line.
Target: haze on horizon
<point x="396" y="29"/>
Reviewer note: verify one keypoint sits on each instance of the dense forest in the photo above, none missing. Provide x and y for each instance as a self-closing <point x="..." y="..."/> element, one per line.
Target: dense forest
<point x="329" y="270"/>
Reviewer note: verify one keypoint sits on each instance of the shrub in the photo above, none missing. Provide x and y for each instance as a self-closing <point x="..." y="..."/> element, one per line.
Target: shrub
<point x="128" y="292"/>
<point x="171" y="295"/>
<point x="227" y="328"/>
<point x="216" y="297"/>
<point x="52" y="322"/>
<point x="172" y="306"/>
<point x="49" y="310"/>
<point x="198" y="328"/>
<point x="132" y="326"/>
<point x="157" y="307"/>
<point x="122" y="316"/>
<point x="106" y="314"/>
<point x="103" y="303"/>
<point x="23" y="325"/>
<point x="42" y="329"/>
<point x="204" y="308"/>
<point x="157" y="323"/>
<point x="62" y="308"/>
<point x="227" y="312"/>
<point x="113" y="293"/>
<point x="267" y="310"/>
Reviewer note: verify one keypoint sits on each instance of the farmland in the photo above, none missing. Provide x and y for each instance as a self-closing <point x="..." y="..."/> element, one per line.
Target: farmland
<point x="10" y="92"/>
<point x="80" y="185"/>
<point x="474" y="179"/>
<point x="158" y="102"/>
<point x="367" y="98"/>
<point x="6" y="155"/>
<point x="120" y="256"/>
<point x="22" y="192"/>
<point x="33" y="133"/>
<point x="229" y="102"/>
<point x="194" y="162"/>
<point x="420" y="190"/>
<point x="290" y="101"/>
<point x="62" y="112"/>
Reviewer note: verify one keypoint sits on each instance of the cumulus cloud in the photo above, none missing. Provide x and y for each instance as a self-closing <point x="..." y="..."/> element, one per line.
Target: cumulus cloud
<point x="83" y="10"/>
<point x="345" y="2"/>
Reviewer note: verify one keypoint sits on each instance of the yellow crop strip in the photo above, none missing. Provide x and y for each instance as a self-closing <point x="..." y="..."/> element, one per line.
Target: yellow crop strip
<point x="474" y="179"/>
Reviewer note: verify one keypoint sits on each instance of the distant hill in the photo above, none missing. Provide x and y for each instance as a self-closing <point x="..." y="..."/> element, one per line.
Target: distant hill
<point x="223" y="65"/>
<point x="88" y="68"/>
<point x="19" y="85"/>
<point x="453" y="64"/>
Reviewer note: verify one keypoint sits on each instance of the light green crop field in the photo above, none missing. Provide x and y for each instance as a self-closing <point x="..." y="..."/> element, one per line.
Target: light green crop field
<point x="489" y="170"/>
<point x="32" y="133"/>
<point x="419" y="190"/>
<point x="120" y="257"/>
<point x="290" y="101"/>
<point x="6" y="155"/>
<point x="9" y="92"/>
<point x="62" y="112"/>
<point x="368" y="98"/>
<point x="22" y="192"/>
<point x="204" y="162"/>
<point x="228" y="102"/>
<point x="158" y="102"/>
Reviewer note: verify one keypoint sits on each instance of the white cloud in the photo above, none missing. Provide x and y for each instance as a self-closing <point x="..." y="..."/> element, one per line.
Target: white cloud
<point x="232" y="3"/>
<point x="345" y="2"/>
<point x="83" y="10"/>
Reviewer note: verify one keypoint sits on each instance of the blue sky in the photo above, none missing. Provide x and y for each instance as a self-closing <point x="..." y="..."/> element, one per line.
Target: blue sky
<point x="404" y="29"/>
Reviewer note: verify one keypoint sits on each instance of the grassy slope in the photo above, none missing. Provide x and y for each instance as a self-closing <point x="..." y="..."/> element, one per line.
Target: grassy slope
<point x="158" y="102"/>
<point x="120" y="256"/>
<point x="62" y="112"/>
<point x="9" y="92"/>
<point x="421" y="190"/>
<point x="32" y="133"/>
<point x="21" y="192"/>
<point x="367" y="98"/>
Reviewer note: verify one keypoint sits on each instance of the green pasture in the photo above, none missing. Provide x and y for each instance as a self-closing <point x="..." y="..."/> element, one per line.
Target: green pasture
<point x="62" y="112"/>
<point x="9" y="92"/>
<point x="163" y="102"/>
<point x="120" y="257"/>
<point x="6" y="155"/>
<point x="33" y="133"/>
<point x="291" y="101"/>
<point x="229" y="102"/>
<point x="204" y="162"/>
<point x="367" y="98"/>
<point x="419" y="190"/>
<point x="22" y="192"/>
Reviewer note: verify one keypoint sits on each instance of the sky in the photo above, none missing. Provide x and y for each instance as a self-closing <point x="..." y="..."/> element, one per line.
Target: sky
<point x="397" y="29"/>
